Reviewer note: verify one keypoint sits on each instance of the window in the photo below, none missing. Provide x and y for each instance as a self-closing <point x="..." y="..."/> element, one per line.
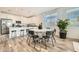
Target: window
<point x="50" y="20"/>
<point x="73" y="15"/>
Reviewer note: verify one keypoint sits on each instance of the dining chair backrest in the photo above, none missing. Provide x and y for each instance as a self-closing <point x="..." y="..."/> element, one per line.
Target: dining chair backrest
<point x="31" y="32"/>
<point x="53" y="32"/>
<point x="48" y="33"/>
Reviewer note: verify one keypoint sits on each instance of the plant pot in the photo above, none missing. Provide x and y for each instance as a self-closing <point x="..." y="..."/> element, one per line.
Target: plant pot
<point x="63" y="34"/>
<point x="40" y="27"/>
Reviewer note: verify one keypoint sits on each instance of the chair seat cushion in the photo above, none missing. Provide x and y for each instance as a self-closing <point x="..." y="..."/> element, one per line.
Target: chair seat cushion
<point x="35" y="36"/>
<point x="45" y="37"/>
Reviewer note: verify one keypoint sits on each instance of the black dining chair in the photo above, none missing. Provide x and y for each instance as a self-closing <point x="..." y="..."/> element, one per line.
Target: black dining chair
<point x="49" y="35"/>
<point x="33" y="37"/>
<point x="53" y="35"/>
<point x="46" y="38"/>
<point x="29" y="36"/>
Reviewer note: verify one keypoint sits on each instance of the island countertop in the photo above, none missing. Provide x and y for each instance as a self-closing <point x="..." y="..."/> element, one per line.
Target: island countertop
<point x="18" y="29"/>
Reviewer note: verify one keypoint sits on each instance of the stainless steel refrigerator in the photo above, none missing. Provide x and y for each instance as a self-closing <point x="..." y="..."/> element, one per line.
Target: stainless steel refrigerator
<point x="4" y="29"/>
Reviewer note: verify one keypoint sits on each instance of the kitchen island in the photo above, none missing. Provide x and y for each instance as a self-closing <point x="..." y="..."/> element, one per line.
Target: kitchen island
<point x="16" y="31"/>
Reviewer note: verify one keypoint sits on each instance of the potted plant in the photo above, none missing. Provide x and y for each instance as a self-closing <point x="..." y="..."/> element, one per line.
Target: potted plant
<point x="62" y="24"/>
<point x="40" y="26"/>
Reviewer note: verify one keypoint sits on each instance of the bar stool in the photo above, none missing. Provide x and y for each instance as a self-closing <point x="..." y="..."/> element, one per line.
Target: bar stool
<point x="13" y="35"/>
<point x="27" y="33"/>
<point x="22" y="32"/>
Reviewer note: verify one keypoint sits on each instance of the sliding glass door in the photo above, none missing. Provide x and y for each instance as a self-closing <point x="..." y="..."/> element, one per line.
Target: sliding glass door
<point x="73" y="15"/>
<point x="73" y="30"/>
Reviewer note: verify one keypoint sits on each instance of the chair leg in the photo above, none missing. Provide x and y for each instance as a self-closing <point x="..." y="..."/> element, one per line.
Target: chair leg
<point x="54" y="39"/>
<point x="34" y="43"/>
<point x="52" y="42"/>
<point x="29" y="43"/>
<point x="40" y="44"/>
<point x="28" y="40"/>
<point x="45" y="44"/>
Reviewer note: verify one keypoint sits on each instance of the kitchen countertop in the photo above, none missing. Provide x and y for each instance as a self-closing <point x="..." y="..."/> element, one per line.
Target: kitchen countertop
<point x="18" y="30"/>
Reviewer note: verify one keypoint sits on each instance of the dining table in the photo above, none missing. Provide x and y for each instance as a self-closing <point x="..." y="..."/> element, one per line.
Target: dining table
<point x="41" y="32"/>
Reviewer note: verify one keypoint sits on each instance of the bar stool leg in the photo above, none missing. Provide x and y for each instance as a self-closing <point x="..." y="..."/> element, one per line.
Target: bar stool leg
<point x="34" y="43"/>
<point x="29" y="41"/>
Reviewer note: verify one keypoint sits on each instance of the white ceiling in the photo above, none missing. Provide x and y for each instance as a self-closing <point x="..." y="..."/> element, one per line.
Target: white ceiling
<point x="25" y="11"/>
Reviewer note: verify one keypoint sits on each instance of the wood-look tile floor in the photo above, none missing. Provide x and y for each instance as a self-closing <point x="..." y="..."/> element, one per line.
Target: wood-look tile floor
<point x="20" y="45"/>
